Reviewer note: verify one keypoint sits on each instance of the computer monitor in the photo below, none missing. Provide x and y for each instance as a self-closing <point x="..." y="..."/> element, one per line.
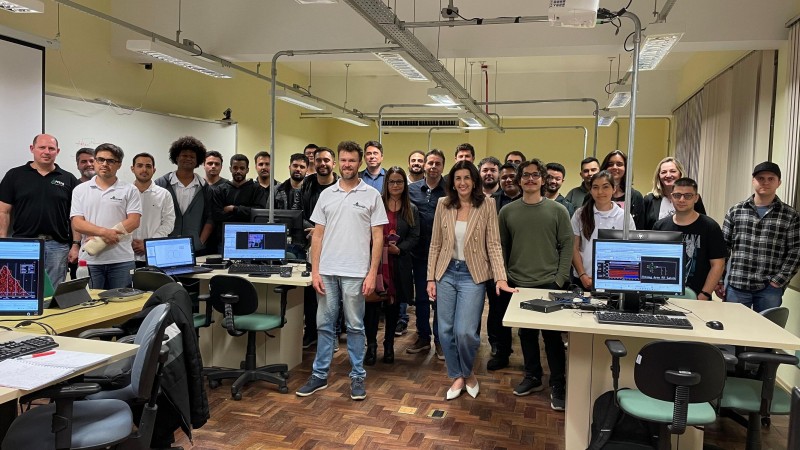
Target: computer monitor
<point x="295" y="232"/>
<point x="637" y="269"/>
<point x="642" y="235"/>
<point x="254" y="241"/>
<point x="21" y="277"/>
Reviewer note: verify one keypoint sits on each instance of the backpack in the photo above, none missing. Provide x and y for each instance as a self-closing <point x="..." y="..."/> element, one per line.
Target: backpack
<point x="612" y="429"/>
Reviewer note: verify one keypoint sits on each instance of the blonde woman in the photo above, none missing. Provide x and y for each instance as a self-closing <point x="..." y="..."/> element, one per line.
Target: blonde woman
<point x="658" y="203"/>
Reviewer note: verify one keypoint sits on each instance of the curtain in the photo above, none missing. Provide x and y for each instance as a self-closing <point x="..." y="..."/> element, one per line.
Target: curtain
<point x="688" y="118"/>
<point x="790" y="172"/>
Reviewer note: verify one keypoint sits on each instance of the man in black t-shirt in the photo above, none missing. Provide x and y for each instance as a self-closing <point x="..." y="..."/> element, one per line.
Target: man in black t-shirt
<point x="39" y="193"/>
<point x="705" y="245"/>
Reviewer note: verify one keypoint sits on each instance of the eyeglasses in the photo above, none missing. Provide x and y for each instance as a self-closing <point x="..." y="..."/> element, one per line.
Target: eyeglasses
<point x="678" y="195"/>
<point x="101" y="161"/>
<point x="396" y="182"/>
<point x="529" y="175"/>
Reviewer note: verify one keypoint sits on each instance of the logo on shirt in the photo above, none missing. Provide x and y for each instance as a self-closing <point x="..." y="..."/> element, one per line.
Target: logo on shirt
<point x="115" y="198"/>
<point x="57" y="183"/>
<point x="359" y="205"/>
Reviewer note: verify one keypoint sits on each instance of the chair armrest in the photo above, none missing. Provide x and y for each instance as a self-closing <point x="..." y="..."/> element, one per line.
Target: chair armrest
<point x="102" y="333"/>
<point x="730" y="359"/>
<point x="62" y="391"/>
<point x="616" y="348"/>
<point x="284" y="291"/>
<point x="773" y="358"/>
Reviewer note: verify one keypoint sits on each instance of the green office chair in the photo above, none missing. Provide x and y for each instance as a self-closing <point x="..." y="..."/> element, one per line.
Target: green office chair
<point x="236" y="298"/>
<point x="151" y="278"/>
<point x="757" y="398"/>
<point x="675" y="382"/>
<point x="97" y="424"/>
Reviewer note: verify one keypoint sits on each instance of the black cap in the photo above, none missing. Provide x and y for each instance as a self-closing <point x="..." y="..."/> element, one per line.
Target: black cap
<point x="768" y="166"/>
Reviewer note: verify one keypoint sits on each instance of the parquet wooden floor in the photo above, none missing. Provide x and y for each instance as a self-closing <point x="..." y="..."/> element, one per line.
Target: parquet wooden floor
<point x="394" y="415"/>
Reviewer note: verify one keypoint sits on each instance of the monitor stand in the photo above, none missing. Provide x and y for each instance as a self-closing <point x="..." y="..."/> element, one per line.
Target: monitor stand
<point x="631" y="302"/>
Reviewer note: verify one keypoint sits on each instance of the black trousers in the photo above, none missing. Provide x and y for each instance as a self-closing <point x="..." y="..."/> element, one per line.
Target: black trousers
<point x="372" y="312"/>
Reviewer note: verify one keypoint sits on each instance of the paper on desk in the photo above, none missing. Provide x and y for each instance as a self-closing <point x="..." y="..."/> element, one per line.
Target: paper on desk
<point x="30" y="373"/>
<point x="67" y="359"/>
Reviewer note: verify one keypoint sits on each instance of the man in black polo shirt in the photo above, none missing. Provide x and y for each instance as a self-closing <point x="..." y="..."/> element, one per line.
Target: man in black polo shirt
<point x="40" y="195"/>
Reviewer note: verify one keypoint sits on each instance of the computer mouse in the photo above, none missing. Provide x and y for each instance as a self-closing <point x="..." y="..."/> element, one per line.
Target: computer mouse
<point x="715" y="325"/>
<point x="305" y="273"/>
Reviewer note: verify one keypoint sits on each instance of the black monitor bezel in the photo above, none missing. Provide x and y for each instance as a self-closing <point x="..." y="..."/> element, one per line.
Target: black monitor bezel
<point x="40" y="281"/>
<point x="641" y="235"/>
<point x="638" y="292"/>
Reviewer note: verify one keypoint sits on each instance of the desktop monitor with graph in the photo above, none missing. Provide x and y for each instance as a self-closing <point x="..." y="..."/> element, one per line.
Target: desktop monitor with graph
<point x="21" y="277"/>
<point x="637" y="269"/>
<point x="257" y="242"/>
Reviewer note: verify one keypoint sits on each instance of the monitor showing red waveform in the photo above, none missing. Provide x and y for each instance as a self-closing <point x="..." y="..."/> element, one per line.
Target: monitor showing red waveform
<point x="11" y="287"/>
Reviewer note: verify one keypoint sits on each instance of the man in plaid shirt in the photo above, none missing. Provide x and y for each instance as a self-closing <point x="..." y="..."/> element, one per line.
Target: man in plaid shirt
<point x="763" y="237"/>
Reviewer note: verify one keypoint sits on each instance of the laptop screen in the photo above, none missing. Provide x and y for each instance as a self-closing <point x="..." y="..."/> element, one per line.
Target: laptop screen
<point x="169" y="252"/>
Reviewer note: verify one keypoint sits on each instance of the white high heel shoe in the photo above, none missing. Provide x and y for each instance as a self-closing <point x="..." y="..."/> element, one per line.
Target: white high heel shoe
<point x="453" y="394"/>
<point x="473" y="391"/>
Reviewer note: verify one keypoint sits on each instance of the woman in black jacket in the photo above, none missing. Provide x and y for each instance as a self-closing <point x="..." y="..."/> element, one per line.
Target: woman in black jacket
<point x="400" y="235"/>
<point x="658" y="203"/>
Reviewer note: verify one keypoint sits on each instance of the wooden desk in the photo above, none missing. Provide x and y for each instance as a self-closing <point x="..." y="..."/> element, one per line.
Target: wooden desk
<point x="588" y="360"/>
<point x="222" y="350"/>
<point x="71" y="321"/>
<point x="9" y="396"/>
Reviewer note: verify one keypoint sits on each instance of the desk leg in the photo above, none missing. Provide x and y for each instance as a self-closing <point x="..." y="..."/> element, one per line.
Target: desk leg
<point x="578" y="418"/>
<point x="8" y="412"/>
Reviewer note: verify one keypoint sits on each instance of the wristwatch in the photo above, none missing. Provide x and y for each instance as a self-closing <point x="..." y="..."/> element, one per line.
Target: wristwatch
<point x="706" y="294"/>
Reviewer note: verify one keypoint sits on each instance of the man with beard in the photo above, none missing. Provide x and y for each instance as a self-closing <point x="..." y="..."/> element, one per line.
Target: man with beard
<point x="310" y="191"/>
<point x="577" y="195"/>
<point x="213" y="166"/>
<point x="84" y="158"/>
<point x="158" y="212"/>
<point x="416" y="166"/>
<point x="489" y="169"/>
<point x="374" y="174"/>
<point x="509" y="189"/>
<point x="264" y="171"/>
<point x="349" y="218"/>
<point x="234" y="199"/>
<point x="288" y="193"/>
<point x="309" y="152"/>
<point x="555" y="178"/>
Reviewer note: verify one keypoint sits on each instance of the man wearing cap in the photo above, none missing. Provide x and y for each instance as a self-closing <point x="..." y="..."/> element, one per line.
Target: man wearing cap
<point x="763" y="238"/>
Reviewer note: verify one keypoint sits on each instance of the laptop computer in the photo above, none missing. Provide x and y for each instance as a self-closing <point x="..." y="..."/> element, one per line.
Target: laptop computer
<point x="173" y="255"/>
<point x="70" y="293"/>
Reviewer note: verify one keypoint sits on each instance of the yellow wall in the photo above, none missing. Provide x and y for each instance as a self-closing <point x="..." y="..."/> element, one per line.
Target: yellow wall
<point x="700" y="68"/>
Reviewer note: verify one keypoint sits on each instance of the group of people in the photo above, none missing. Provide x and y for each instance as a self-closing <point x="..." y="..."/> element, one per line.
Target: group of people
<point x="381" y="239"/>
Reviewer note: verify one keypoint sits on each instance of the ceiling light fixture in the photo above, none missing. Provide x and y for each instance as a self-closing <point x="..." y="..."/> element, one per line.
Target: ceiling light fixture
<point x="621" y="98"/>
<point x="298" y="99"/>
<point x="351" y="119"/>
<point x="470" y="120"/>
<point x="174" y="55"/>
<point x="655" y="48"/>
<point x="605" y="118"/>
<point x="442" y="96"/>
<point x="403" y="67"/>
<point x="22" y="6"/>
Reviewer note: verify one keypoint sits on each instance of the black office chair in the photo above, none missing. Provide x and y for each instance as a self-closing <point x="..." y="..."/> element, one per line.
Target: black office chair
<point x="95" y="424"/>
<point x="675" y="382"/>
<point x="150" y="278"/>
<point x="794" y="421"/>
<point x="236" y="298"/>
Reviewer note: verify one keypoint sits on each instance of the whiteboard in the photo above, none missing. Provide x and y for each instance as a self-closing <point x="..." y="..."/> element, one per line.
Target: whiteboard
<point x="77" y="124"/>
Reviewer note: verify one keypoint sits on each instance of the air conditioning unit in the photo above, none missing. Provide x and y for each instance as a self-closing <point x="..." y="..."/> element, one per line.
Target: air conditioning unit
<point x="418" y="125"/>
<point x="573" y="13"/>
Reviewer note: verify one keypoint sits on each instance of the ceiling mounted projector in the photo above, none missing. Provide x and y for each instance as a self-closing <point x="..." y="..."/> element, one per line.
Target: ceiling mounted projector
<point x="573" y="13"/>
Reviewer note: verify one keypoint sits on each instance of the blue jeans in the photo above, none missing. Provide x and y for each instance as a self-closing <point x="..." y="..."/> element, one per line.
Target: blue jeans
<point x="55" y="261"/>
<point x="111" y="276"/>
<point x="348" y="291"/>
<point x="423" y="303"/>
<point x="403" y="315"/>
<point x="765" y="298"/>
<point x="460" y="305"/>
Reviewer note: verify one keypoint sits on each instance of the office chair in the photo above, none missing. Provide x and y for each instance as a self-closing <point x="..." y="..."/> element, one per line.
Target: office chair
<point x="757" y="398"/>
<point x="675" y="382"/>
<point x="96" y="424"/>
<point x="236" y="298"/>
<point x="794" y="421"/>
<point x="151" y="278"/>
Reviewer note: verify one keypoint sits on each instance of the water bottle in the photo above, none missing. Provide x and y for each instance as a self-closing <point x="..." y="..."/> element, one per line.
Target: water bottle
<point x="83" y="269"/>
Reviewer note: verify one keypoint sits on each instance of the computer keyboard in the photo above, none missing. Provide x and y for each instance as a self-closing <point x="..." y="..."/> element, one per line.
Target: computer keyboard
<point x="254" y="268"/>
<point x="642" y="319"/>
<point x="26" y="346"/>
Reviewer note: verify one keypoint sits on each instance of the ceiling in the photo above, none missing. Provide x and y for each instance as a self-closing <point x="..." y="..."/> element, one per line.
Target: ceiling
<point x="518" y="56"/>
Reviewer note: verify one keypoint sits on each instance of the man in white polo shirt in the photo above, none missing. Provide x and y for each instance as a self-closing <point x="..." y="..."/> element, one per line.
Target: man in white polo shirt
<point x="103" y="207"/>
<point x="158" y="211"/>
<point x="348" y="217"/>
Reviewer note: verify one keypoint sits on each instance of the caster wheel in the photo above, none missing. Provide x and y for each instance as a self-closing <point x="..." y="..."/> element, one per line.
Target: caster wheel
<point x="237" y="396"/>
<point x="283" y="390"/>
<point x="213" y="384"/>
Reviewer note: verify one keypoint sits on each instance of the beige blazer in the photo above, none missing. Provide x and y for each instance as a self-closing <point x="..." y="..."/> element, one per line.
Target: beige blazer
<point x="482" y="249"/>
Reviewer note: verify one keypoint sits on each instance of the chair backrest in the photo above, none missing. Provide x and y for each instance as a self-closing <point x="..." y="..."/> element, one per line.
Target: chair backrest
<point x="794" y="421"/>
<point x="150" y="338"/>
<point x="779" y="315"/>
<point x="657" y="357"/>
<point x="150" y="280"/>
<point x="241" y="287"/>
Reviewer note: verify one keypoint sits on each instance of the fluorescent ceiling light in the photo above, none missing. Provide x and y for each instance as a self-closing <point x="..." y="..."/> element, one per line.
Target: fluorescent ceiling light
<point x="573" y="13"/>
<point x="173" y="55"/>
<point x="605" y="118"/>
<point x="317" y="2"/>
<point x="403" y="67"/>
<point x="22" y="6"/>
<point x="442" y="96"/>
<point x="621" y="98"/>
<point x="470" y="120"/>
<point x="351" y="119"/>
<point x="655" y="48"/>
<point x="298" y="99"/>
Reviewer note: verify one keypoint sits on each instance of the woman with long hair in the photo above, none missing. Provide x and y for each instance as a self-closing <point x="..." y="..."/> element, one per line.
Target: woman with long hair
<point x="400" y="235"/>
<point x="658" y="204"/>
<point x="616" y="164"/>
<point x="464" y="253"/>
<point x="598" y="212"/>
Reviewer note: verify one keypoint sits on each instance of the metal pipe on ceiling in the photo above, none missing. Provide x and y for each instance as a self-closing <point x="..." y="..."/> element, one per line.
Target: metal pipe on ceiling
<point x="579" y="127"/>
<point x="492" y="21"/>
<point x="430" y="131"/>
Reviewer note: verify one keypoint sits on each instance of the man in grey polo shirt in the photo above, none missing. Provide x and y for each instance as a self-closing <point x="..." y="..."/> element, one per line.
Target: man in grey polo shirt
<point x="348" y="217"/>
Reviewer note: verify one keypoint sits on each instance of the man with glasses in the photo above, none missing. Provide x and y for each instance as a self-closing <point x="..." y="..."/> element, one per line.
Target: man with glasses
<point x="39" y="193"/>
<point x="537" y="241"/>
<point x="110" y="209"/>
<point x="556" y="174"/>
<point x="705" y="245"/>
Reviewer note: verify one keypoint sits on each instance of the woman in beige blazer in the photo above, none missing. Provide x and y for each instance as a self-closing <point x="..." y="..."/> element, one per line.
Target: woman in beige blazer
<point x="464" y="253"/>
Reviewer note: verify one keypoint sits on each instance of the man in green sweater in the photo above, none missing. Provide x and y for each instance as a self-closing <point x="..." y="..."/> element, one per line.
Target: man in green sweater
<point x="536" y="236"/>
